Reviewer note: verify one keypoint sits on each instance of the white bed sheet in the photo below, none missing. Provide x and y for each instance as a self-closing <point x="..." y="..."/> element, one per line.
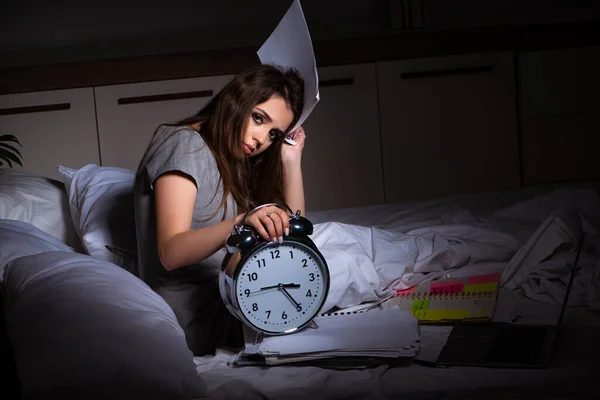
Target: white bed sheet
<point x="371" y="253"/>
<point x="574" y="374"/>
<point x="371" y="250"/>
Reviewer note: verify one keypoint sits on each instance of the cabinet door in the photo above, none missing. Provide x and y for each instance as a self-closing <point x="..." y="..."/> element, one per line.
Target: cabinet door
<point x="559" y="82"/>
<point x="560" y="114"/>
<point x="129" y="114"/>
<point x="448" y="126"/>
<point x="55" y="128"/>
<point x="341" y="161"/>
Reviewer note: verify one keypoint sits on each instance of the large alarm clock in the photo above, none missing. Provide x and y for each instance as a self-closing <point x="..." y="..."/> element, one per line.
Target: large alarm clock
<point x="274" y="288"/>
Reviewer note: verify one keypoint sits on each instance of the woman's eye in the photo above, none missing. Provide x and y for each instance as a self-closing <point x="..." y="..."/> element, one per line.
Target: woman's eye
<point x="257" y="118"/>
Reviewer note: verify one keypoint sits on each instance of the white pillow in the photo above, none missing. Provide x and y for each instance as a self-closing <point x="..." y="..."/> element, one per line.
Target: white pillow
<point x="101" y="203"/>
<point x="39" y="201"/>
<point x="18" y="239"/>
<point x="83" y="328"/>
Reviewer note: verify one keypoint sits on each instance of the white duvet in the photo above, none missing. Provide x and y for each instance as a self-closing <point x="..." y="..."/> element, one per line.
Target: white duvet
<point x="18" y="239"/>
<point x="368" y="262"/>
<point x="370" y="251"/>
<point x="83" y="328"/>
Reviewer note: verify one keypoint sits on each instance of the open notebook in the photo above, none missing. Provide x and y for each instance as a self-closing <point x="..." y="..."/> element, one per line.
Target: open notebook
<point x="450" y="300"/>
<point x="339" y="340"/>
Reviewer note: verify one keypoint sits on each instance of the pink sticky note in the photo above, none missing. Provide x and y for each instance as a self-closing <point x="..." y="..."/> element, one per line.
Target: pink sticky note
<point x="446" y="287"/>
<point x="404" y="292"/>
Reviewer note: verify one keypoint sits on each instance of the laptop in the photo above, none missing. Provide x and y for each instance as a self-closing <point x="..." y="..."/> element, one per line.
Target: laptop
<point x="503" y="344"/>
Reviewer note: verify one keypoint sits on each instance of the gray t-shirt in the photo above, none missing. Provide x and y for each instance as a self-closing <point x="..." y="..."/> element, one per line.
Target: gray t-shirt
<point x="178" y="149"/>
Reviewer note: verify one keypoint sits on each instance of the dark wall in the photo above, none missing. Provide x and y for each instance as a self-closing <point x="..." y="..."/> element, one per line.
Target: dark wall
<point x="37" y="32"/>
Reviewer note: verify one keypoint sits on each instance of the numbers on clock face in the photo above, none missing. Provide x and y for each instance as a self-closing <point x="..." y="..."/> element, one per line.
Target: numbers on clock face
<point x="281" y="286"/>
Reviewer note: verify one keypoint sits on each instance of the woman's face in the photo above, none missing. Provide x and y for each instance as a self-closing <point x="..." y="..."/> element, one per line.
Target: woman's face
<point x="268" y="121"/>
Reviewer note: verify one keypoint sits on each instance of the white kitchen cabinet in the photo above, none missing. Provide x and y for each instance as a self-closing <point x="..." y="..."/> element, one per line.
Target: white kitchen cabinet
<point x="342" y="157"/>
<point x="341" y="161"/>
<point x="54" y="127"/>
<point x="448" y="126"/>
<point x="129" y="114"/>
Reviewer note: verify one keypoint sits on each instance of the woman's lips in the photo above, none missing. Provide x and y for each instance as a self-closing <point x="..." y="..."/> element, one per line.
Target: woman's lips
<point x="248" y="149"/>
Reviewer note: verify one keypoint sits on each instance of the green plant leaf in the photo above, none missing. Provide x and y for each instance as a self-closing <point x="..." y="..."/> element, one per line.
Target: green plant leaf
<point x="8" y="156"/>
<point x="9" y="153"/>
<point x="14" y="149"/>
<point x="10" y="138"/>
<point x="5" y="159"/>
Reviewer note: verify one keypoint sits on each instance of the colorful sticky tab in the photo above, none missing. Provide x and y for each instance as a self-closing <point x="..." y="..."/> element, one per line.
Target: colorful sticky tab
<point x="419" y="305"/>
<point x="484" y="287"/>
<point x="441" y="287"/>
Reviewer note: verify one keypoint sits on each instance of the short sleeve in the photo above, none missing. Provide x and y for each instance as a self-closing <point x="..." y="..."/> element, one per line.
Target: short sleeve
<point x="184" y="151"/>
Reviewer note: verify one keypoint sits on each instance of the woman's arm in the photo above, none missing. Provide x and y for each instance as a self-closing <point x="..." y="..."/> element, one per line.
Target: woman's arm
<point x="178" y="245"/>
<point x="175" y="196"/>
<point x="293" y="186"/>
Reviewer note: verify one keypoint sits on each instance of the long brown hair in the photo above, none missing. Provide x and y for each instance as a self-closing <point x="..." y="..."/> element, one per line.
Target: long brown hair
<point x="223" y="121"/>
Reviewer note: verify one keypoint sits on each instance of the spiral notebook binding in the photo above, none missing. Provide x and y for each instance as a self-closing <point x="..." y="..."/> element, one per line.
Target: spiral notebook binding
<point x="339" y="313"/>
<point x="445" y="296"/>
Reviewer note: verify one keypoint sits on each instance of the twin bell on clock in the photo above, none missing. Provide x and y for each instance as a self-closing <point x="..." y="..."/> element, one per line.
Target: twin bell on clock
<point x="274" y="288"/>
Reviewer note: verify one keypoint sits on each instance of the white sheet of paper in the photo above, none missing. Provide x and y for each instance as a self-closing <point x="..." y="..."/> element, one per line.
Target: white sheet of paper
<point x="389" y="330"/>
<point x="290" y="46"/>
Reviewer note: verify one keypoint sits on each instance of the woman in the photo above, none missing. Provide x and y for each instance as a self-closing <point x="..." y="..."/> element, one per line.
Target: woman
<point x="198" y="178"/>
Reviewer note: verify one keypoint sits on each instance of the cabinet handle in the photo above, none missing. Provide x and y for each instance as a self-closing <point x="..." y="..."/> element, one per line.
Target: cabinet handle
<point x="164" y="97"/>
<point x="35" y="109"/>
<point x="446" y="72"/>
<point x="337" y="82"/>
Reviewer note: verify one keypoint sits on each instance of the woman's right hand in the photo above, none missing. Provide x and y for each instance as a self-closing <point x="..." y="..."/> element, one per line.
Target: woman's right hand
<point x="270" y="222"/>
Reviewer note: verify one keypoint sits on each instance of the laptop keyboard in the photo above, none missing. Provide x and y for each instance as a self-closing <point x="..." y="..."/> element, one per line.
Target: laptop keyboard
<point x="519" y="344"/>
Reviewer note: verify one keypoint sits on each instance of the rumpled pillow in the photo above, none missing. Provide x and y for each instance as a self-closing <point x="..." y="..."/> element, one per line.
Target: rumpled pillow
<point x="18" y="239"/>
<point x="83" y="328"/>
<point x="101" y="204"/>
<point x="39" y="201"/>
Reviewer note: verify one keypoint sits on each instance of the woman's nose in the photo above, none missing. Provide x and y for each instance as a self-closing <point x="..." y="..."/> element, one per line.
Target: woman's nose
<point x="260" y="136"/>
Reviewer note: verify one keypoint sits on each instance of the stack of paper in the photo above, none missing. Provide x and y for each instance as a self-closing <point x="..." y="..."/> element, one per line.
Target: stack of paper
<point x="339" y="340"/>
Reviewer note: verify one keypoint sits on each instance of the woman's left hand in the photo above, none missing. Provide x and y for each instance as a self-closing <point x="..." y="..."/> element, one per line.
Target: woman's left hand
<point x="291" y="153"/>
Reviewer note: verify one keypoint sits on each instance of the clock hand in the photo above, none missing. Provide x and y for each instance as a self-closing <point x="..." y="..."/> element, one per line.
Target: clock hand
<point x="285" y="285"/>
<point x="288" y="285"/>
<point x="289" y="296"/>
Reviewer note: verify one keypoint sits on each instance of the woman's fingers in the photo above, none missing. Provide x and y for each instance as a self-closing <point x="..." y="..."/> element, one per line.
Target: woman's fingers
<point x="299" y="135"/>
<point x="285" y="221"/>
<point x="278" y="225"/>
<point x="254" y="222"/>
<point x="271" y="223"/>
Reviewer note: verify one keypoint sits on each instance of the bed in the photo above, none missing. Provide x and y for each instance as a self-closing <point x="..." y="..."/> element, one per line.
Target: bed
<point x="80" y="324"/>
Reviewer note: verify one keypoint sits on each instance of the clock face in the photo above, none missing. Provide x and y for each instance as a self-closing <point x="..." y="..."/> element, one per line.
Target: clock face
<point x="281" y="287"/>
